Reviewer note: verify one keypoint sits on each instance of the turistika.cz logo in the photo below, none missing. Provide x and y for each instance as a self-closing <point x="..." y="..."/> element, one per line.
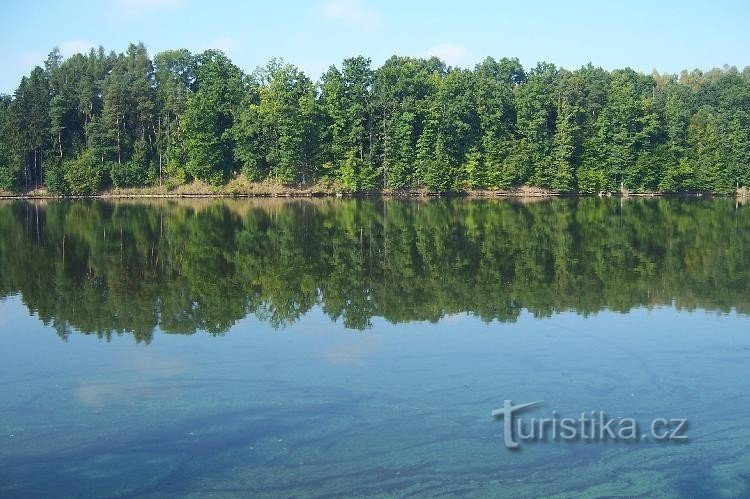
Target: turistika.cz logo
<point x="591" y="426"/>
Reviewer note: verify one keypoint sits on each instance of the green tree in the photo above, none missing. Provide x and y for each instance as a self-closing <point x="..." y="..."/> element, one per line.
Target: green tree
<point x="27" y="131"/>
<point x="276" y="126"/>
<point x="175" y="76"/>
<point x="537" y="114"/>
<point x="410" y="123"/>
<point x="495" y="82"/>
<point x="83" y="175"/>
<point x="347" y="99"/>
<point x="209" y="116"/>
<point x="567" y="143"/>
<point x="402" y="90"/>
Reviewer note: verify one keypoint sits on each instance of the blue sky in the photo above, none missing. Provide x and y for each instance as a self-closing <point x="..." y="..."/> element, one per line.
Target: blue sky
<point x="643" y="34"/>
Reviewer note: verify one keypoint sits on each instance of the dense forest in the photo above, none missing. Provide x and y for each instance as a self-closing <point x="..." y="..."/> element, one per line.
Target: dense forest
<point x="106" y="268"/>
<point x="101" y="120"/>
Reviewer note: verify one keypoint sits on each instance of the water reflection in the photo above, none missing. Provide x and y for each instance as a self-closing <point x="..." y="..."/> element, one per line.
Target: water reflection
<point x="184" y="266"/>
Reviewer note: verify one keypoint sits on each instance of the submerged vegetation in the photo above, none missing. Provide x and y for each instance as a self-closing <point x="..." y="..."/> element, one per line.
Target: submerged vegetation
<point x="105" y="120"/>
<point x="105" y="268"/>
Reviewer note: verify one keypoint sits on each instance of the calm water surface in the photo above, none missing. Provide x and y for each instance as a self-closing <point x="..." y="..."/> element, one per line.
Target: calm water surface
<point x="317" y="348"/>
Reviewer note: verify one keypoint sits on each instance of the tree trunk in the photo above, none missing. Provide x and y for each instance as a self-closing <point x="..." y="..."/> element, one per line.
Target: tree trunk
<point x="119" y="151"/>
<point x="159" y="135"/>
<point x="385" y="151"/>
<point x="169" y="133"/>
<point x="369" y="127"/>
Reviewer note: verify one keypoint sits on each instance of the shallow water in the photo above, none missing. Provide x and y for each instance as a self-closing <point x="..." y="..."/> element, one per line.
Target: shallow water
<point x="321" y="348"/>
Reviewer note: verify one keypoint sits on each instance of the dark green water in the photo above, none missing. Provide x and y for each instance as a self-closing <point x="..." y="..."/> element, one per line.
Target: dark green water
<point x="317" y="348"/>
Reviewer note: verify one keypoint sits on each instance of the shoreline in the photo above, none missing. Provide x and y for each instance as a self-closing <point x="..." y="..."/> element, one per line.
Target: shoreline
<point x="202" y="191"/>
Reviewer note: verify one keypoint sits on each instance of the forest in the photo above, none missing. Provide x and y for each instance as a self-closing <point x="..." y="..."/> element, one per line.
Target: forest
<point x="107" y="268"/>
<point x="105" y="120"/>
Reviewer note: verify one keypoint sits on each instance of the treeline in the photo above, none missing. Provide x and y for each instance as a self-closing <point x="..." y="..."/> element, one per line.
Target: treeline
<point x="107" y="268"/>
<point x="101" y="120"/>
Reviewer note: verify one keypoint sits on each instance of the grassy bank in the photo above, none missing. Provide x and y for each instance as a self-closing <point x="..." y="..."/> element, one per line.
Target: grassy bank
<point x="241" y="187"/>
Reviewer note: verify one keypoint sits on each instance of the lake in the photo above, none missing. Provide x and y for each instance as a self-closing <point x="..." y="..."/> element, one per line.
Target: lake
<point x="326" y="347"/>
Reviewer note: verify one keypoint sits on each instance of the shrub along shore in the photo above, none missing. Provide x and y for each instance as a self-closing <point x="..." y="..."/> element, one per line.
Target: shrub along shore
<point x="196" y="124"/>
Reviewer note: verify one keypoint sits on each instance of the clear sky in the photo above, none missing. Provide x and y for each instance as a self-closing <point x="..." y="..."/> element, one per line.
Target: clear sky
<point x="643" y="34"/>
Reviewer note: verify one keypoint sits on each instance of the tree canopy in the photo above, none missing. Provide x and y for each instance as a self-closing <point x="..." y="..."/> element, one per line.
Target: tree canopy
<point x="101" y="120"/>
